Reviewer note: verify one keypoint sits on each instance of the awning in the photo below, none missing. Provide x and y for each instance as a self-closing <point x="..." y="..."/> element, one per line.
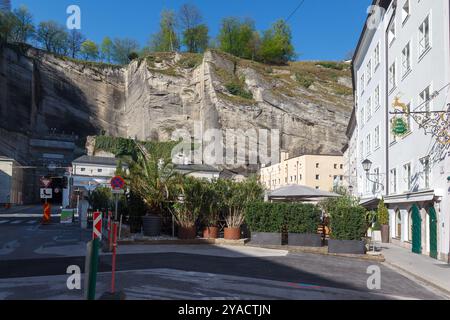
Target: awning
<point x="411" y="197"/>
<point x="299" y="192"/>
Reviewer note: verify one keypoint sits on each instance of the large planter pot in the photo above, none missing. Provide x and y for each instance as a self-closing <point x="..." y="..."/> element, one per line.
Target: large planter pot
<point x="265" y="238"/>
<point x="187" y="233"/>
<point x="346" y="246"/>
<point x="211" y="233"/>
<point x="385" y="233"/>
<point x="305" y="239"/>
<point x="232" y="233"/>
<point x="151" y="225"/>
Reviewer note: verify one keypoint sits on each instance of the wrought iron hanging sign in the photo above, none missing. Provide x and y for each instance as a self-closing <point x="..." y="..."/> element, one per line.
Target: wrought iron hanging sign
<point x="436" y="123"/>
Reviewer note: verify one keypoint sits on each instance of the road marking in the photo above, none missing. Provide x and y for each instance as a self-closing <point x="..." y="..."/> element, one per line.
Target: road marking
<point x="25" y="215"/>
<point x="32" y="222"/>
<point x="16" y="221"/>
<point x="3" y="221"/>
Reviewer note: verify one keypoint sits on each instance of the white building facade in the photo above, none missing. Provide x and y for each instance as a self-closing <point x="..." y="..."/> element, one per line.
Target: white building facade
<point x="404" y="56"/>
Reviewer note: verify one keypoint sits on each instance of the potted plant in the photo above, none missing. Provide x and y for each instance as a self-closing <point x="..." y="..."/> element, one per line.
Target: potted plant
<point x="383" y="220"/>
<point x="302" y="223"/>
<point x="187" y="209"/>
<point x="348" y="226"/>
<point x="210" y="211"/>
<point x="265" y="221"/>
<point x="153" y="180"/>
<point x="235" y="197"/>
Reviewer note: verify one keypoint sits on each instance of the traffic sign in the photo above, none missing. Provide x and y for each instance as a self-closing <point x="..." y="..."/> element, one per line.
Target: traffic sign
<point x="117" y="183"/>
<point x="97" y="230"/>
<point x="46" y="193"/>
<point x="46" y="182"/>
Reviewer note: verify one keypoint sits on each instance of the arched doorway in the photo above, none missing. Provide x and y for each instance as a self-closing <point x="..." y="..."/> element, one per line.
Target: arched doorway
<point x="416" y="230"/>
<point x="433" y="232"/>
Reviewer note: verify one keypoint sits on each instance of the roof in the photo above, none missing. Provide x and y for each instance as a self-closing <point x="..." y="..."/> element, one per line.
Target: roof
<point x="382" y="3"/>
<point x="196" y="167"/>
<point x="295" y="191"/>
<point x="97" y="161"/>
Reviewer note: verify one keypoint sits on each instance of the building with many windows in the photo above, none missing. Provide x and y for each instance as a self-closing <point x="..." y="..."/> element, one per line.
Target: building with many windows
<point x="403" y="60"/>
<point x="316" y="171"/>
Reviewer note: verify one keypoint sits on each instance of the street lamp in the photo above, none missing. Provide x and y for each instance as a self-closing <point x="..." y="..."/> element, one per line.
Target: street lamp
<point x="367" y="164"/>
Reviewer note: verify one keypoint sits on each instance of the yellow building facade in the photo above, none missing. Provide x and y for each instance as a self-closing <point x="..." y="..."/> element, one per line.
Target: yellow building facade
<point x="315" y="171"/>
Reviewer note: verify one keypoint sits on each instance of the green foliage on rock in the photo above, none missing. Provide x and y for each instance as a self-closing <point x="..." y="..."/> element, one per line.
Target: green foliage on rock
<point x="127" y="147"/>
<point x="236" y="88"/>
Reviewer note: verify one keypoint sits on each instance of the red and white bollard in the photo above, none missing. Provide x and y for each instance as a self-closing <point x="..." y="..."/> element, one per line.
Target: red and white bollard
<point x="113" y="274"/>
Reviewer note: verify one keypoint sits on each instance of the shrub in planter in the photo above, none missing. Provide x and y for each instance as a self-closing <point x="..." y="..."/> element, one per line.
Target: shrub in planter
<point x="383" y="220"/>
<point x="210" y="212"/>
<point x="348" y="227"/>
<point x="302" y="222"/>
<point x="187" y="209"/>
<point x="265" y="221"/>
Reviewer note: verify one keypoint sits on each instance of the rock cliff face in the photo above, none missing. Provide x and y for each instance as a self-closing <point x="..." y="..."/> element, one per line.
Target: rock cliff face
<point x="308" y="102"/>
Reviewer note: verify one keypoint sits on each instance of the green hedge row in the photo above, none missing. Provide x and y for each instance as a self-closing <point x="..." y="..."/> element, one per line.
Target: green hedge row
<point x="348" y="222"/>
<point x="273" y="217"/>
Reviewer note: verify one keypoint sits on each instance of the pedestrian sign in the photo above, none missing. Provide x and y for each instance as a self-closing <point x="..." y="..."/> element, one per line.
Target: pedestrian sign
<point x="46" y="193"/>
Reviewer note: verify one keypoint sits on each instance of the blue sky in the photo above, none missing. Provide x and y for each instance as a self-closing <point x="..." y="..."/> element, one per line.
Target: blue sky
<point x="322" y="29"/>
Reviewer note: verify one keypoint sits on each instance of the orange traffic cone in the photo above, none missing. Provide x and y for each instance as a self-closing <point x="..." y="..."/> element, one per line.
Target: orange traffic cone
<point x="47" y="214"/>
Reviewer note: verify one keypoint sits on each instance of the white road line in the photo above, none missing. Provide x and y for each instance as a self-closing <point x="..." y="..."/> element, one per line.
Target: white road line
<point x="16" y="221"/>
<point x="4" y="221"/>
<point x="32" y="222"/>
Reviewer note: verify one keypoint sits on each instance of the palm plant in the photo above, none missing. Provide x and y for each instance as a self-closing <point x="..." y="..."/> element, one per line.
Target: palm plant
<point x="154" y="180"/>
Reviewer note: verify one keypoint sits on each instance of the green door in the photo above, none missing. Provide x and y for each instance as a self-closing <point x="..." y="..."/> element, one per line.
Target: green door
<point x="433" y="232"/>
<point x="416" y="230"/>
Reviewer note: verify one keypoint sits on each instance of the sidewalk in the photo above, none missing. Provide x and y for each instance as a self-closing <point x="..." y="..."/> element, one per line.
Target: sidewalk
<point x="434" y="272"/>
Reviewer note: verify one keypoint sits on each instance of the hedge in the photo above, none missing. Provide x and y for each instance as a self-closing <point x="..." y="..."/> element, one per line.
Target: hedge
<point x="272" y="217"/>
<point x="265" y="217"/>
<point x="348" y="222"/>
<point x="302" y="218"/>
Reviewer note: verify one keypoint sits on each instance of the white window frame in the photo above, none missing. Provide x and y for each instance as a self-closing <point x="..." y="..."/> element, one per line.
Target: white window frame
<point x="406" y="13"/>
<point x="368" y="144"/>
<point x="376" y="56"/>
<point x="376" y="98"/>
<point x="393" y="181"/>
<point x="407" y="176"/>
<point x="392" y="76"/>
<point x="369" y="71"/>
<point x="392" y="33"/>
<point x="406" y="60"/>
<point x="377" y="137"/>
<point x="425" y="100"/>
<point x="368" y="109"/>
<point x="424" y="41"/>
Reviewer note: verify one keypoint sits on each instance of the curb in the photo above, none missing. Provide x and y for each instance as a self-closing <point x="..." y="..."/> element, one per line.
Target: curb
<point x="322" y="251"/>
<point x="414" y="275"/>
<point x="183" y="242"/>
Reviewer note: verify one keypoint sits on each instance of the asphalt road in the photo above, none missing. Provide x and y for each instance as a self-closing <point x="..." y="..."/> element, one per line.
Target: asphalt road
<point x="34" y="260"/>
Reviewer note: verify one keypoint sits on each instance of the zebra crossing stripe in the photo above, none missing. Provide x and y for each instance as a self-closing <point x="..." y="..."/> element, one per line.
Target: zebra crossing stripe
<point x="3" y="221"/>
<point x="16" y="221"/>
<point x="32" y="222"/>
